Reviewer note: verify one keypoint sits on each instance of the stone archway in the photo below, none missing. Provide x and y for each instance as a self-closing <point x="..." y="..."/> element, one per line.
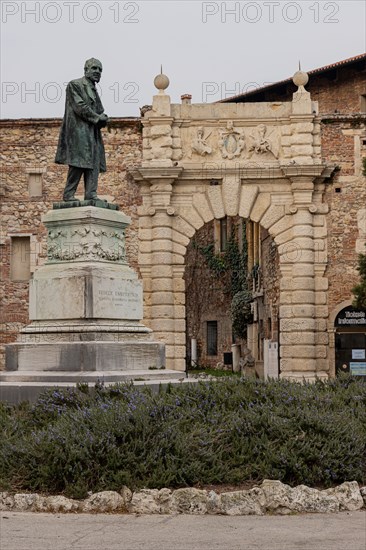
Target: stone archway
<point x="282" y="191"/>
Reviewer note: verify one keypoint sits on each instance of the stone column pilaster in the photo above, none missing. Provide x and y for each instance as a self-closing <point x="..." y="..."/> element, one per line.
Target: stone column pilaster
<point x="297" y="299"/>
<point x="303" y="306"/>
<point x="162" y="296"/>
<point x="159" y="288"/>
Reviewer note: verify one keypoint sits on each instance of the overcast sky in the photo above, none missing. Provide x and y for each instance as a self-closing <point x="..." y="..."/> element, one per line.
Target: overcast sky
<point x="209" y="49"/>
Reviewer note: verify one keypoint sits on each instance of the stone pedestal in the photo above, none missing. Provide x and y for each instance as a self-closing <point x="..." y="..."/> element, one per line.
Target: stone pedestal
<point x="85" y="306"/>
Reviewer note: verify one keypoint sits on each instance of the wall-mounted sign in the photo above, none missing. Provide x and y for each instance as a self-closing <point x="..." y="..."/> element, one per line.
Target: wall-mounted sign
<point x="358" y="354"/>
<point x="358" y="369"/>
<point x="351" y="317"/>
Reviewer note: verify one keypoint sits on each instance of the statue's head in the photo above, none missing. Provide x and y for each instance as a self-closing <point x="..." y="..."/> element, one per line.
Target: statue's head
<point x="93" y="69"/>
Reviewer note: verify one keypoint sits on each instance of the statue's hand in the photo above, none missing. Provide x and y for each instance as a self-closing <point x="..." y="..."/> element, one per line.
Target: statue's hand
<point x="103" y="120"/>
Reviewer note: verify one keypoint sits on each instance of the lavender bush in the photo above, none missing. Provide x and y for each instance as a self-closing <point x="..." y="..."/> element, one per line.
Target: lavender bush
<point x="74" y="441"/>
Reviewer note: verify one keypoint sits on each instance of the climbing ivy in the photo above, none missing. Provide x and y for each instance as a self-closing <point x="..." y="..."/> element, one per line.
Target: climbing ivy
<point x="233" y="263"/>
<point x="216" y="262"/>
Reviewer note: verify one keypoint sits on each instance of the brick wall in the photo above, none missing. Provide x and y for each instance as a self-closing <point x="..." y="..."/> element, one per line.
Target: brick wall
<point x="345" y="195"/>
<point x="342" y="134"/>
<point x="337" y="90"/>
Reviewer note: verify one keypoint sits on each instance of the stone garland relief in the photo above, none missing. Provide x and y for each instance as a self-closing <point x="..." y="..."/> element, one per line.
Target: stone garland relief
<point x="257" y="144"/>
<point x="84" y="244"/>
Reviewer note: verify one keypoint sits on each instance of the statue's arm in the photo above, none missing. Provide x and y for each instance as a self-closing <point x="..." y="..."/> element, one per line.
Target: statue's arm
<point x="79" y="106"/>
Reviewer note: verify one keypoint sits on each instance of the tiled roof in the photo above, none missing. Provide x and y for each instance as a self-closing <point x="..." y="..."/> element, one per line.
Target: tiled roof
<point x="348" y="61"/>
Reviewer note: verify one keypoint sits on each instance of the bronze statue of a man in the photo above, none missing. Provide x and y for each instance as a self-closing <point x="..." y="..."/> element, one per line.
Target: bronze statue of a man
<point x="80" y="143"/>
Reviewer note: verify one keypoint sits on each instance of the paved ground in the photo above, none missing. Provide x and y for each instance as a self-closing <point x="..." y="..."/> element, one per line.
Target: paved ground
<point x="27" y="531"/>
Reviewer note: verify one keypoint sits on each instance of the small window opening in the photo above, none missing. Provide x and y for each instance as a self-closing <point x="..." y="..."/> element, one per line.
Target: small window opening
<point x="211" y="337"/>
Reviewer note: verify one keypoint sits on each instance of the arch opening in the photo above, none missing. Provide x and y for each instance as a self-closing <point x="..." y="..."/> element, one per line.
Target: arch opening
<point x="232" y="286"/>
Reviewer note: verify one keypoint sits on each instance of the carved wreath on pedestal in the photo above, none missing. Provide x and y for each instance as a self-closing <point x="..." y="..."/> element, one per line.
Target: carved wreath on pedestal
<point x="65" y="246"/>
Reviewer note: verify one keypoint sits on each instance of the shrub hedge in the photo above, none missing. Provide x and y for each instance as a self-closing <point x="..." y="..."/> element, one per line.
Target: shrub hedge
<point x="73" y="441"/>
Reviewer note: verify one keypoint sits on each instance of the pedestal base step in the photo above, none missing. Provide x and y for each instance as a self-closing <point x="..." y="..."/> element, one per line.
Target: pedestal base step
<point x="99" y="203"/>
<point x="111" y="377"/>
<point x="85" y="356"/>
<point x="16" y="387"/>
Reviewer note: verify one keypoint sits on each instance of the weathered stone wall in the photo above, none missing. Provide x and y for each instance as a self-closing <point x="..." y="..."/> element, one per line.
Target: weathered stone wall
<point x="29" y="146"/>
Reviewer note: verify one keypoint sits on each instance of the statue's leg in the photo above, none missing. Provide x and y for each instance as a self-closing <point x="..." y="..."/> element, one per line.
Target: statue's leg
<point x="73" y="178"/>
<point x="91" y="183"/>
<point x="91" y="178"/>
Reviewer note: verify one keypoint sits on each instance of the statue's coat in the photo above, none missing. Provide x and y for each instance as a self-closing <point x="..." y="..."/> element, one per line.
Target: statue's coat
<point x="79" y="132"/>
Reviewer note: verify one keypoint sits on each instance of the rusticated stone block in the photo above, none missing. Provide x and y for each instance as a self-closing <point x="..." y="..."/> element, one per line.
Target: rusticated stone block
<point x="161" y="245"/>
<point x="322" y="338"/>
<point x="273" y="215"/>
<point x="178" y="250"/>
<point x="230" y="192"/>
<point x="297" y="311"/>
<point x="303" y="297"/>
<point x="261" y="204"/>
<point x="321" y="283"/>
<point x="180" y="239"/>
<point x="320" y="298"/>
<point x="247" y="198"/>
<point x="182" y="226"/>
<point x="202" y="206"/>
<point x="191" y="216"/>
<point x="303" y="269"/>
<point x="161" y="298"/>
<point x="298" y="365"/>
<point x="215" y="197"/>
<point x="298" y="351"/>
<point x="297" y="338"/>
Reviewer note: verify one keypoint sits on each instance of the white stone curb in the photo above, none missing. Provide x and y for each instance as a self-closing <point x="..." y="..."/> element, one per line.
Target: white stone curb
<point x="271" y="497"/>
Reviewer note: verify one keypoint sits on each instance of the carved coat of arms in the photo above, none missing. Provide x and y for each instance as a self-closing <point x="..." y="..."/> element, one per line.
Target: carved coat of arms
<point x="231" y="141"/>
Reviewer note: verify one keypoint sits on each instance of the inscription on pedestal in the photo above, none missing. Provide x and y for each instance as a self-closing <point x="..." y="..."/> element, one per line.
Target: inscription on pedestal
<point x="119" y="299"/>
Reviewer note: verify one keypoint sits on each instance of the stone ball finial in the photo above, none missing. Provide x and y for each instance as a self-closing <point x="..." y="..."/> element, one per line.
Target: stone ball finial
<point x="300" y="78"/>
<point x="161" y="81"/>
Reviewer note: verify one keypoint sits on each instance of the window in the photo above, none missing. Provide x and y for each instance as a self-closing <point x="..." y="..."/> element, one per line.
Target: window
<point x="35" y="180"/>
<point x="222" y="229"/>
<point x="363" y="104"/>
<point x="211" y="337"/>
<point x="35" y="185"/>
<point x="269" y="327"/>
<point x="223" y="234"/>
<point x="20" y="259"/>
